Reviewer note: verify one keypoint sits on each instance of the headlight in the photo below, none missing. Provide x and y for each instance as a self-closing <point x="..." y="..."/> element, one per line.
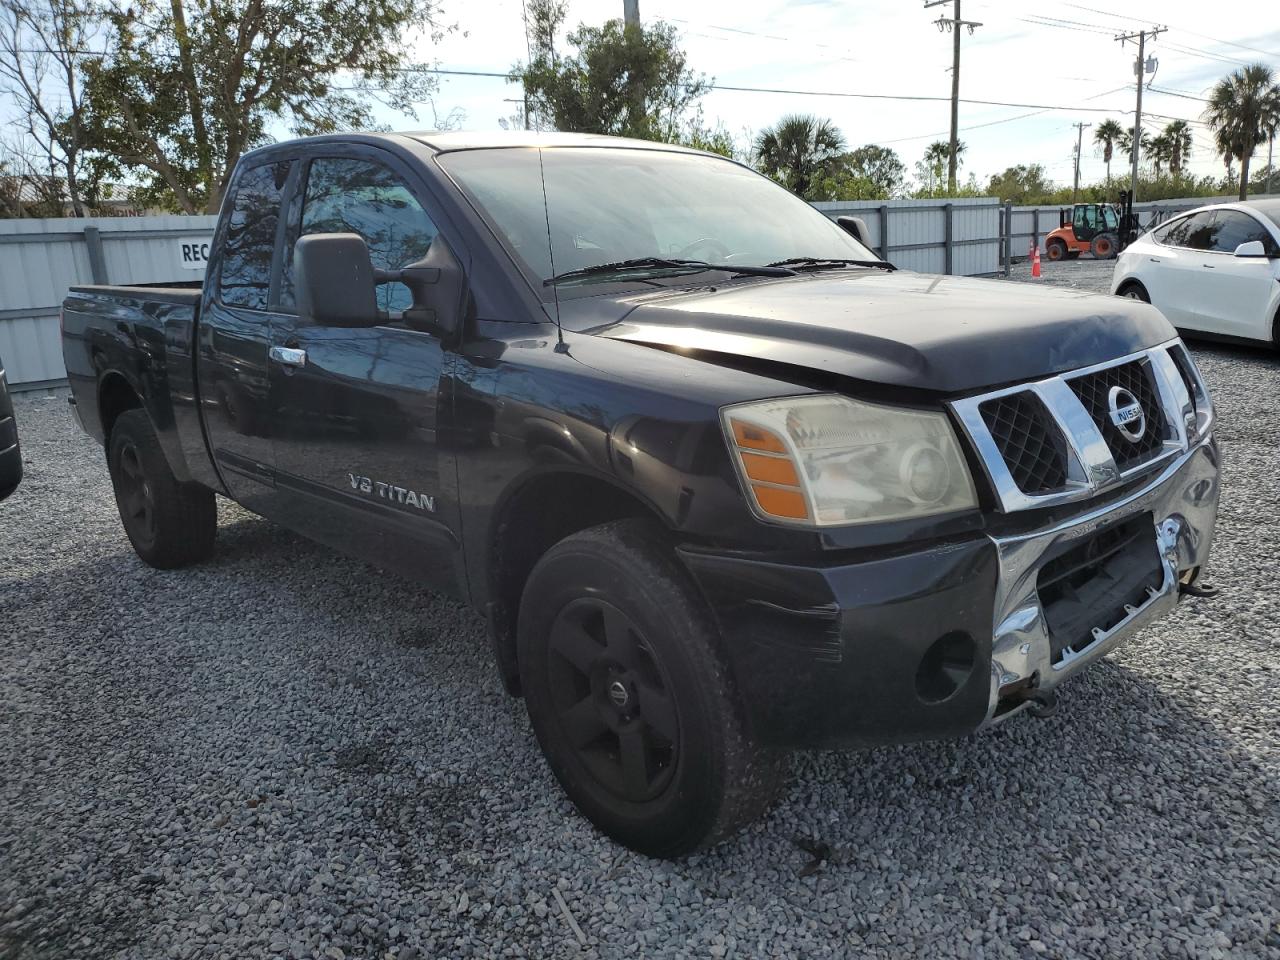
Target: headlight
<point x="827" y="461"/>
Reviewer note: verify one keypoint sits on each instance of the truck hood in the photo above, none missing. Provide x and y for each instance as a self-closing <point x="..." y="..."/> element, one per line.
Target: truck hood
<point x="945" y="334"/>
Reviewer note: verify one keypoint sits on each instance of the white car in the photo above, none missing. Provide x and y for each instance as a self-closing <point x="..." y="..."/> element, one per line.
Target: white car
<point x="1214" y="271"/>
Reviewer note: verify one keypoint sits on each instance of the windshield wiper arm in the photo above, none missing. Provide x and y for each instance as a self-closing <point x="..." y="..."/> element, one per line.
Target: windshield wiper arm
<point x="818" y="263"/>
<point x="651" y="263"/>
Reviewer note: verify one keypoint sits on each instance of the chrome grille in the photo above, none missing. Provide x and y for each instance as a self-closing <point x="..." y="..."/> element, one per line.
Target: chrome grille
<point x="1094" y="391"/>
<point x="1054" y="441"/>
<point x="1030" y="442"/>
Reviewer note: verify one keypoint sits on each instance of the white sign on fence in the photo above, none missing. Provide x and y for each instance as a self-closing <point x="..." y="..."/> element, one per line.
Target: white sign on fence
<point x="193" y="253"/>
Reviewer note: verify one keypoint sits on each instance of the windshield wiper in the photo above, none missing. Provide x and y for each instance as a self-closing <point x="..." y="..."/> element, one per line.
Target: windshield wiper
<point x="665" y="263"/>
<point x="821" y="263"/>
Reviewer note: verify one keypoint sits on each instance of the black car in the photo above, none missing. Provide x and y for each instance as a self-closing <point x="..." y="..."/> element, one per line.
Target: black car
<point x="722" y="481"/>
<point x="10" y="452"/>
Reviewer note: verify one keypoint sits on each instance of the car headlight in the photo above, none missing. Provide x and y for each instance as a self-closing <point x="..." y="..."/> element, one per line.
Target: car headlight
<point x="827" y="460"/>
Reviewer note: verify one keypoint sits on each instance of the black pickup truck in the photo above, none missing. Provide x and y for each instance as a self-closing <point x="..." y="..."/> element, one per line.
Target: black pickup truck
<point x="10" y="452"/>
<point x="722" y="481"/>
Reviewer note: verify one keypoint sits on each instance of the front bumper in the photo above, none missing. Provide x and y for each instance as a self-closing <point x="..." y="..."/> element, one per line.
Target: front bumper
<point x="942" y="641"/>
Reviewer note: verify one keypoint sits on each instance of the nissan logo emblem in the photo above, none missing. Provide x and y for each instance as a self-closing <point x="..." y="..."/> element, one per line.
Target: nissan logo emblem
<point x="1126" y="414"/>
<point x="618" y="693"/>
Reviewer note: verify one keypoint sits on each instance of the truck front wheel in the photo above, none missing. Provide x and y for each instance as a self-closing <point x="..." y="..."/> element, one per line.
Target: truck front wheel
<point x="629" y="698"/>
<point x="170" y="524"/>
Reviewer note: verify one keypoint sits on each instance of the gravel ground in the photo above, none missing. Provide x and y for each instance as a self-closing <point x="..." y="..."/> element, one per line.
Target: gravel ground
<point x="280" y="753"/>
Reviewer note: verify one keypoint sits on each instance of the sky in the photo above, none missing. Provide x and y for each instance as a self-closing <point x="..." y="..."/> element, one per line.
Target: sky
<point x="1060" y="55"/>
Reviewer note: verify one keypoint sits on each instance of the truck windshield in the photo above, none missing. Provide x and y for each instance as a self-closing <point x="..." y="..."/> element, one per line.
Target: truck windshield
<point x="616" y="205"/>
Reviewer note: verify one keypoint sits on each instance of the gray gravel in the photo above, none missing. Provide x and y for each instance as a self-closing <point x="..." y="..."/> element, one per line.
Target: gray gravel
<point x="282" y="753"/>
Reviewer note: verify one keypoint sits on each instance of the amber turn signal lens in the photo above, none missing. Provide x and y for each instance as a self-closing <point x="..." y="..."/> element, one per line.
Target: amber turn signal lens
<point x="751" y="437"/>
<point x="788" y="504"/>
<point x="770" y="469"/>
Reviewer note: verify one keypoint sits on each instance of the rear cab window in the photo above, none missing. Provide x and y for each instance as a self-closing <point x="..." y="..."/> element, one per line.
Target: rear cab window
<point x="244" y="279"/>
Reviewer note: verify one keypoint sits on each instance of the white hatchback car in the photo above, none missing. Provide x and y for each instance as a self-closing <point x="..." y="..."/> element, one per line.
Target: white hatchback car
<point x="1214" y="271"/>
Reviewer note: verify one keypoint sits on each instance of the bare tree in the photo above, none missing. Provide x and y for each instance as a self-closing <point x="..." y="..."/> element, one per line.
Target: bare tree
<point x="42" y="45"/>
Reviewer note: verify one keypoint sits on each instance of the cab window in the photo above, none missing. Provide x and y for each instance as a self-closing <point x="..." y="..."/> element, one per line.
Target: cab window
<point x="358" y="196"/>
<point x="245" y="277"/>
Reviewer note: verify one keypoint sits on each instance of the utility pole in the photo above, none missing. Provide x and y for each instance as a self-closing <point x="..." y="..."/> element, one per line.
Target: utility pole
<point x="1140" y="69"/>
<point x="953" y="25"/>
<point x="1075" y="184"/>
<point x="631" y="12"/>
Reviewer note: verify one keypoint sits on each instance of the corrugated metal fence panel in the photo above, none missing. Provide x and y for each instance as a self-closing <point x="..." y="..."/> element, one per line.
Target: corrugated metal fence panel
<point x="917" y="232"/>
<point x="40" y="259"/>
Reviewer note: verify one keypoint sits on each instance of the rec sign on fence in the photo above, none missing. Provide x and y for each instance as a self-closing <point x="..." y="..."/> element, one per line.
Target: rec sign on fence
<point x="193" y="253"/>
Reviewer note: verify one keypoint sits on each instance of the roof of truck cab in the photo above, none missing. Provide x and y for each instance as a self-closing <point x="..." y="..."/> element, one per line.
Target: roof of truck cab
<point x="490" y="139"/>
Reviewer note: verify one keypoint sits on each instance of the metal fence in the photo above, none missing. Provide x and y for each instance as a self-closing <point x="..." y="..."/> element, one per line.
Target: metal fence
<point x="40" y="259"/>
<point x="959" y="236"/>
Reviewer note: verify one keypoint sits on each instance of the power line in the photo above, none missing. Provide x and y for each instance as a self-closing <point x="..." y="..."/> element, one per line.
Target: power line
<point x="1225" y="43"/>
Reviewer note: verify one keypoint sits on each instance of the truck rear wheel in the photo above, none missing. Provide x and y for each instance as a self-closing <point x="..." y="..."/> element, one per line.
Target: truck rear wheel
<point x="630" y="701"/>
<point x="170" y="524"/>
<point x="1055" y="249"/>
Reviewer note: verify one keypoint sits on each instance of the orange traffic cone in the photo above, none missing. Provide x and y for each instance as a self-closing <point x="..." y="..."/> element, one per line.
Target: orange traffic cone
<point x="1035" y="263"/>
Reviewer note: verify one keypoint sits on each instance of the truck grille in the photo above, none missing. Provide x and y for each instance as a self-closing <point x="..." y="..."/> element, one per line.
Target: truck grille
<point x="1094" y="390"/>
<point x="1058" y="440"/>
<point x="1030" y="442"/>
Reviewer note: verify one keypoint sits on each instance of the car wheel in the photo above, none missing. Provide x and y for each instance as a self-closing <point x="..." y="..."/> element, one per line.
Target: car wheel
<point x="1104" y="246"/>
<point x="170" y="524"/>
<point x="629" y="698"/>
<point x="1133" y="290"/>
<point x="1055" y="250"/>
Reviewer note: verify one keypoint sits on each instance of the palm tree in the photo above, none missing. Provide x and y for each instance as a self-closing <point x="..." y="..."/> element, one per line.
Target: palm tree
<point x="1160" y="152"/>
<point x="1238" y="113"/>
<point x="799" y="151"/>
<point x="1108" y="134"/>
<point x="1178" y="135"/>
<point x="1126" y="142"/>
<point x="936" y="159"/>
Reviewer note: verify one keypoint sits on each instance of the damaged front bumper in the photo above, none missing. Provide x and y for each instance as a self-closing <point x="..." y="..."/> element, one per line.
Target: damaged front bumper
<point x="943" y="640"/>
<point x="1175" y="512"/>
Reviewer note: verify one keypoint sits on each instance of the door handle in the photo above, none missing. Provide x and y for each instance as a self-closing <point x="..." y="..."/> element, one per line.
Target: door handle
<point x="1208" y="266"/>
<point x="288" y="356"/>
<point x="1154" y="259"/>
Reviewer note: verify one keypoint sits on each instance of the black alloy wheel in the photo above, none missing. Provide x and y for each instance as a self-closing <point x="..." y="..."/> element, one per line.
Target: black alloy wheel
<point x="611" y="700"/>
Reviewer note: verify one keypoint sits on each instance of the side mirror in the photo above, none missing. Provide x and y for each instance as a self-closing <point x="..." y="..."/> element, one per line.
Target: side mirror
<point x="436" y="283"/>
<point x="858" y="228"/>
<point x="334" y="280"/>
<point x="1251" y="248"/>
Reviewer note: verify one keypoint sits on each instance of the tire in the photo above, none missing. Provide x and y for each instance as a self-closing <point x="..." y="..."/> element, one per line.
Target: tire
<point x="1104" y="246"/>
<point x="170" y="524"/>
<point x="1055" y="250"/>
<point x="1133" y="290"/>
<point x="630" y="701"/>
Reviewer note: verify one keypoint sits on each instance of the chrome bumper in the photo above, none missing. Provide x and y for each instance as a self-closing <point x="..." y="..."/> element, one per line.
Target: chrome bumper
<point x="1183" y="500"/>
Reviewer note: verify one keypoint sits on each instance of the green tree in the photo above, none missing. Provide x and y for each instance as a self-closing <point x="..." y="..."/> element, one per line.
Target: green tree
<point x="1024" y="183"/>
<point x="190" y="87"/>
<point x="799" y="152"/>
<point x="1125" y="142"/>
<point x="1178" y="135"/>
<point x="935" y="162"/>
<point x="623" y="79"/>
<point x="1240" y="114"/>
<point x="1160" y="152"/>
<point x="1108" y="135"/>
<point x="879" y="166"/>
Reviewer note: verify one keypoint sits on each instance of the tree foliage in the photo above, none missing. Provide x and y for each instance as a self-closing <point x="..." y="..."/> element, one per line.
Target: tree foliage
<point x="190" y="87"/>
<point x="1243" y="111"/>
<point x="1024" y="183"/>
<point x="800" y="152"/>
<point x="625" y="80"/>
<point x="1107" y="136"/>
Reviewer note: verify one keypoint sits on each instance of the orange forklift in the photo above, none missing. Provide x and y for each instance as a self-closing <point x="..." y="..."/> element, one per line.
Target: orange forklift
<point x="1099" y="229"/>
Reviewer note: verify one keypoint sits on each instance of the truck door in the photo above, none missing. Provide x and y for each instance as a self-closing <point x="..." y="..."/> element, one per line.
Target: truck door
<point x="355" y="411"/>
<point x="235" y="332"/>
